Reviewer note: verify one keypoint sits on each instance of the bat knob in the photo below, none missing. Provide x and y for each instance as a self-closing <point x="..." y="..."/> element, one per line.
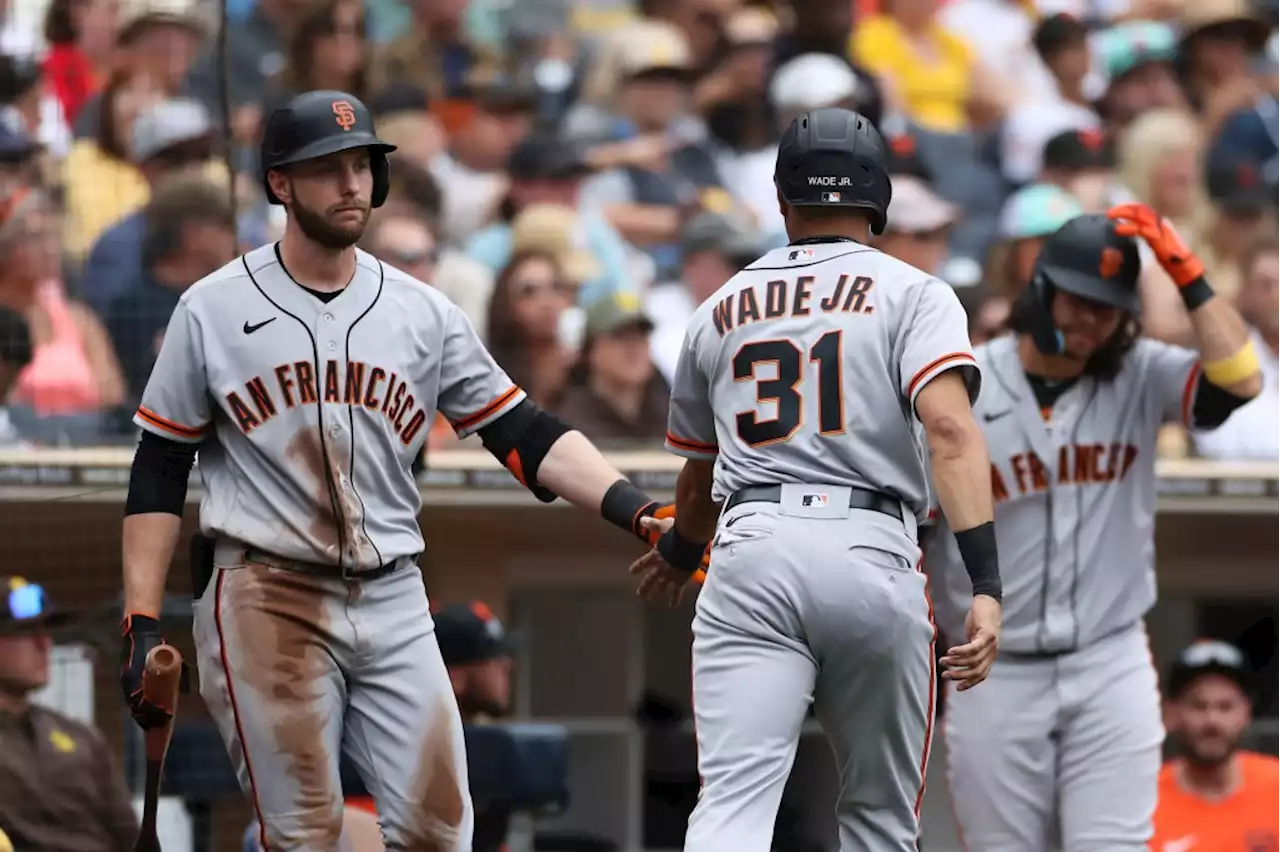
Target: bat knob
<point x="163" y="658"/>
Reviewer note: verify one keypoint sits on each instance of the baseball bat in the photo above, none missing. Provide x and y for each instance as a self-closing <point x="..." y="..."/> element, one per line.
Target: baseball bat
<point x="160" y="682"/>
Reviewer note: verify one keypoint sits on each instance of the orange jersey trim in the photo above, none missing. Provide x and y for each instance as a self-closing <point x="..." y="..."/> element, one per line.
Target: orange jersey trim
<point x="501" y="400"/>
<point x="694" y="446"/>
<point x="964" y="357"/>
<point x="168" y="425"/>
<point x="1189" y="394"/>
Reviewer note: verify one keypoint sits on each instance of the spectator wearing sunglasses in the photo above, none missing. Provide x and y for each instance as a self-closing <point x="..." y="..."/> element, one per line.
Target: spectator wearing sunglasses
<point x="402" y="237"/>
<point x="62" y="788"/>
<point x="1214" y="794"/>
<point x="168" y="138"/>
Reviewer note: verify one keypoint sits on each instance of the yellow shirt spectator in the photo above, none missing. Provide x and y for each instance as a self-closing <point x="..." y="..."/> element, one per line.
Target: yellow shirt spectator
<point x="933" y="85"/>
<point x="100" y="190"/>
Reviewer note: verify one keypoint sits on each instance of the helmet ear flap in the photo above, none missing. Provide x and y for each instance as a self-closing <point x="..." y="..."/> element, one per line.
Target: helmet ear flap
<point x="1039" y="304"/>
<point x="381" y="168"/>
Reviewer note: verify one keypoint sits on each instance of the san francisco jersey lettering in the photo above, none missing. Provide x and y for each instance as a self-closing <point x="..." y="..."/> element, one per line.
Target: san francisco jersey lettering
<point x="309" y="420"/>
<point x="792" y="371"/>
<point x="1075" y="494"/>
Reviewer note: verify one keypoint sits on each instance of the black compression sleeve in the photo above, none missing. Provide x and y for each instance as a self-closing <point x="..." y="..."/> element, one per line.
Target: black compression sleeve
<point x="520" y="440"/>
<point x="158" y="478"/>
<point x="1213" y="405"/>
<point x="978" y="550"/>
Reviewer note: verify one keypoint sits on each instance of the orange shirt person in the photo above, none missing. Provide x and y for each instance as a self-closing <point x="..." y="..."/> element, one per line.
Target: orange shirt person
<point x="1214" y="797"/>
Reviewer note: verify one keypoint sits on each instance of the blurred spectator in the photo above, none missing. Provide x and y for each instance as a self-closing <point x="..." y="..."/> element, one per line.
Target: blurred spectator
<point x="1159" y="162"/>
<point x="407" y="240"/>
<point x="1029" y="215"/>
<point x="1219" y="41"/>
<point x="1137" y="58"/>
<point x="1241" y="202"/>
<point x="327" y="50"/>
<point x="81" y="37"/>
<point x="169" y="138"/>
<point x="63" y="789"/>
<point x="1000" y="34"/>
<point x="20" y="161"/>
<point x="826" y="26"/>
<point x="24" y="105"/>
<point x="713" y="249"/>
<point x="155" y="46"/>
<point x="1214" y="795"/>
<point x="646" y="202"/>
<point x="919" y="221"/>
<point x="188" y="235"/>
<point x="702" y="23"/>
<point x="1083" y="162"/>
<point x="1062" y="45"/>
<point x="471" y="173"/>
<point x="402" y="114"/>
<point x="101" y="181"/>
<point x="523" y="333"/>
<point x="1253" y="431"/>
<point x="732" y="94"/>
<point x="15" y="355"/>
<point x="74" y="371"/>
<point x="546" y="169"/>
<point x="614" y="393"/>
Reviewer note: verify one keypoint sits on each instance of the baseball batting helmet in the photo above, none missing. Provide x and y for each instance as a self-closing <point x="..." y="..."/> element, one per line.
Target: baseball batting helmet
<point x="834" y="158"/>
<point x="316" y="124"/>
<point x="1087" y="258"/>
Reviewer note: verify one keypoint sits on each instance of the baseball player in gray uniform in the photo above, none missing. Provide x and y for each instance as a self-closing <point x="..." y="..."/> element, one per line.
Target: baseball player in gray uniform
<point x="307" y="374"/>
<point x="1065" y="737"/>
<point x="798" y="402"/>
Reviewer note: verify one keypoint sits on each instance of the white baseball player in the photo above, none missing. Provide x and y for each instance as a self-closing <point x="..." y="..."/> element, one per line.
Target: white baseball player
<point x="307" y="374"/>
<point x="798" y="403"/>
<point x="1067" y="732"/>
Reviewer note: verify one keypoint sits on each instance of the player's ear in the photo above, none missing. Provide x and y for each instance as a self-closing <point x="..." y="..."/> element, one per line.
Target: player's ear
<point x="279" y="185"/>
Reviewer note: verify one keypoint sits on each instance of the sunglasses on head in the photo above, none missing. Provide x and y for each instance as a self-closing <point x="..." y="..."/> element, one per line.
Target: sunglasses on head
<point x="411" y="258"/>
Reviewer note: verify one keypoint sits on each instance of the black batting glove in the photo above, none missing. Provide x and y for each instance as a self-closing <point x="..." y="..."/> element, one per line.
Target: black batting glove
<point x="139" y="634"/>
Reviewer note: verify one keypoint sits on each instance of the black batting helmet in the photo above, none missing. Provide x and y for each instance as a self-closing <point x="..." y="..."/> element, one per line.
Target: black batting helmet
<point x="1087" y="258"/>
<point x="316" y="124"/>
<point x="834" y="158"/>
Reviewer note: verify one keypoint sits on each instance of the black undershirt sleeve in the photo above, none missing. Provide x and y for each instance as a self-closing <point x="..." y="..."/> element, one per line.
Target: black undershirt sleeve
<point x="158" y="478"/>
<point x="1213" y="405"/>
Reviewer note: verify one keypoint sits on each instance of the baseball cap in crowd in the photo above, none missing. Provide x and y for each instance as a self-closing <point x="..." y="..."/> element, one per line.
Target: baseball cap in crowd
<point x="1036" y="211"/>
<point x="751" y="26"/>
<point x="15" y="145"/>
<point x="615" y="312"/>
<point x="1239" y="187"/>
<point x="1229" y="18"/>
<point x="26" y="608"/>
<point x="471" y="633"/>
<point x="654" y="48"/>
<point x="555" y="229"/>
<point x="812" y="81"/>
<point x="167" y="124"/>
<point x="18" y="76"/>
<point x="1130" y="45"/>
<point x="718" y="233"/>
<point x="1208" y="656"/>
<point x="917" y="209"/>
<point x="904" y="157"/>
<point x="136" y="15"/>
<point x="546" y="156"/>
<point x="1079" y="150"/>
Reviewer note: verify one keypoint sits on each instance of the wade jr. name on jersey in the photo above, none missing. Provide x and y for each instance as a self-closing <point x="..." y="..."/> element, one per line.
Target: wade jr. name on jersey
<point x="1078" y="464"/>
<point x="351" y="383"/>
<point x="791" y="298"/>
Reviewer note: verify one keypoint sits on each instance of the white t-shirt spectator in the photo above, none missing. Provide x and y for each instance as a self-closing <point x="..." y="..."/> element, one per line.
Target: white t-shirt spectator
<point x="671" y="307"/>
<point x="1029" y="125"/>
<point x="999" y="31"/>
<point x="470" y="198"/>
<point x="1253" y="430"/>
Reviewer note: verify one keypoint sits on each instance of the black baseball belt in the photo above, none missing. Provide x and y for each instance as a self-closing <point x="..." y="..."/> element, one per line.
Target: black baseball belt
<point x="859" y="498"/>
<point x="320" y="569"/>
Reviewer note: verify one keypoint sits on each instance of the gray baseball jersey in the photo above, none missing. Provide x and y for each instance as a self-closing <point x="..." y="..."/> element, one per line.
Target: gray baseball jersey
<point x="318" y="408"/>
<point x="805" y="367"/>
<point x="1067" y="730"/>
<point x="802" y="371"/>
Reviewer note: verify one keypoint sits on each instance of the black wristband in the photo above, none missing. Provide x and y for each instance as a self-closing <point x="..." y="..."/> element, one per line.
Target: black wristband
<point x="679" y="552"/>
<point x="624" y="505"/>
<point x="978" y="550"/>
<point x="1196" y="293"/>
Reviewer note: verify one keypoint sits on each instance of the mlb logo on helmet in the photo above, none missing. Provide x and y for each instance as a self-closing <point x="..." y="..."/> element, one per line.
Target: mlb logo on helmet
<point x="813" y="501"/>
<point x="831" y="198"/>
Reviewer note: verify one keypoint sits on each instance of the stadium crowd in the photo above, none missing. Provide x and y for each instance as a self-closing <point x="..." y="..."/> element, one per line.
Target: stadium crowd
<point x="578" y="174"/>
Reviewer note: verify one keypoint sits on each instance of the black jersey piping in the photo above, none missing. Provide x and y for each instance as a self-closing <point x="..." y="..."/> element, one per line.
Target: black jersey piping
<point x="351" y="420"/>
<point x="334" y="501"/>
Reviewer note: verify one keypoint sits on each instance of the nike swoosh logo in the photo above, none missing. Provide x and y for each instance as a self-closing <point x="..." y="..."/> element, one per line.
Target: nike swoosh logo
<point x="1182" y="844"/>
<point x="250" y="329"/>
<point x="992" y="417"/>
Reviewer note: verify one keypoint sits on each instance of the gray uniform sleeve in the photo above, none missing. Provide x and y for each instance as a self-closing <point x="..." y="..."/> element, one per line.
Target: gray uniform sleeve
<point x="474" y="390"/>
<point x="1171" y="376"/>
<point x="691" y="424"/>
<point x="934" y="339"/>
<point x="175" y="403"/>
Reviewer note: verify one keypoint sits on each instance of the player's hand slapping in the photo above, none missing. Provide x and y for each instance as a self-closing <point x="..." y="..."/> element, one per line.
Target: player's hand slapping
<point x="659" y="580"/>
<point x="968" y="664"/>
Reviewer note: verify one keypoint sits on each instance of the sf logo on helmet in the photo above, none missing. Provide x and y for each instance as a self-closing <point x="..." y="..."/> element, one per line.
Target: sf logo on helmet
<point x="345" y="114"/>
<point x="1111" y="262"/>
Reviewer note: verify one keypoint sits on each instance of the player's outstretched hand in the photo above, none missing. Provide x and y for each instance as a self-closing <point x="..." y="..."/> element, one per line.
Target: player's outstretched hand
<point x="658" y="580"/>
<point x="969" y="664"/>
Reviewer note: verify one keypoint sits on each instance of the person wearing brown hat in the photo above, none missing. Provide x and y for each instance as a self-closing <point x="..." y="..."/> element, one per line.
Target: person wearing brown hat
<point x="614" y="392"/>
<point x="61" y="786"/>
<point x="1220" y="39"/>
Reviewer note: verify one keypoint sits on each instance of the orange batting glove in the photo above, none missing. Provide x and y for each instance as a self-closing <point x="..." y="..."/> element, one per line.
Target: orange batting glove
<point x="1175" y="256"/>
